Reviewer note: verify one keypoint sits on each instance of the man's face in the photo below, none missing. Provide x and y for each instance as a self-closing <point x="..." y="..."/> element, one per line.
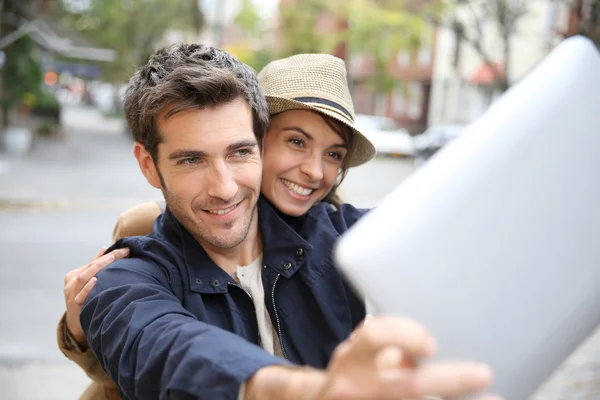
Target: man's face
<point x="211" y="169"/>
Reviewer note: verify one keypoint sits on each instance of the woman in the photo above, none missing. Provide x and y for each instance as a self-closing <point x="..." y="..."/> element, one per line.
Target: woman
<point x="307" y="150"/>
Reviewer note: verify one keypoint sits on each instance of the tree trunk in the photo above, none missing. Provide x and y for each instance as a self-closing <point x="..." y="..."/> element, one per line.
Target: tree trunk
<point x="3" y="110"/>
<point x="503" y="83"/>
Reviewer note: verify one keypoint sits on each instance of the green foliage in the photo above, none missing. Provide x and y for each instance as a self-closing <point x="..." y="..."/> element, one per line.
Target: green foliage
<point x="22" y="74"/>
<point x="48" y="128"/>
<point x="382" y="29"/>
<point x="131" y="27"/>
<point x="248" y="19"/>
<point x="298" y="27"/>
<point x="376" y="28"/>
<point x="246" y="50"/>
<point x="47" y="106"/>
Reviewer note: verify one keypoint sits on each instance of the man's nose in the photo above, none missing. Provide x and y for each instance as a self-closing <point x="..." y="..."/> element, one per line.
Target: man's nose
<point x="222" y="184"/>
<point x="312" y="167"/>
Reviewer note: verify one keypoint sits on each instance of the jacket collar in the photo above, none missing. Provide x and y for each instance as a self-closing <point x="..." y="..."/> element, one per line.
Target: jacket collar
<point x="284" y="250"/>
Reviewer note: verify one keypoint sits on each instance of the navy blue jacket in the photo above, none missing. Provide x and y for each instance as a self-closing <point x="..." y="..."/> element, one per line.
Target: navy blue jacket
<point x="168" y="323"/>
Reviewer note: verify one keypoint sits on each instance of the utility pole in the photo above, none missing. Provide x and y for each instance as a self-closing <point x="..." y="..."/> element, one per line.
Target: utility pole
<point x="219" y="22"/>
<point x="3" y="116"/>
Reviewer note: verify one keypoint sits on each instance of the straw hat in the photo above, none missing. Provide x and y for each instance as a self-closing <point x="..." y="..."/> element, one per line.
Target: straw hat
<point x="315" y="82"/>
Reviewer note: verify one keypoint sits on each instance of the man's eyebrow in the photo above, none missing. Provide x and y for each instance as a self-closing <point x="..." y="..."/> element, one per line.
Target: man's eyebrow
<point x="309" y="137"/>
<point x="241" y="144"/>
<point x="177" y="154"/>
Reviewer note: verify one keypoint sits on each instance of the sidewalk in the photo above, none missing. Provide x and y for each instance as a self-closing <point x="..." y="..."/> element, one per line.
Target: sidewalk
<point x="58" y="205"/>
<point x="92" y="162"/>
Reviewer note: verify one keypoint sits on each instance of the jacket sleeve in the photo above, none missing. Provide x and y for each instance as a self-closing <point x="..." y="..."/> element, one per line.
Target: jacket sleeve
<point x="343" y="219"/>
<point x="84" y="358"/>
<point x="154" y="348"/>
<point x="136" y="221"/>
<point x="350" y="214"/>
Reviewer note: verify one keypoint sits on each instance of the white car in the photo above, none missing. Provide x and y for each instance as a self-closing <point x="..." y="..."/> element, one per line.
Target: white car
<point x="385" y="135"/>
<point x="433" y="139"/>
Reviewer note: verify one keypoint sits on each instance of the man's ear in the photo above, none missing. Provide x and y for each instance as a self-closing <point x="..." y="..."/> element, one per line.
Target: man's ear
<point x="147" y="165"/>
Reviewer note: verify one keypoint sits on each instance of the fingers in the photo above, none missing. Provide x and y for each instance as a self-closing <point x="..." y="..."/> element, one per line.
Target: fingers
<point x="102" y="262"/>
<point x="408" y="336"/>
<point x="69" y="276"/>
<point x="444" y="380"/>
<point x="98" y="265"/>
<point x="85" y="292"/>
<point x="392" y="357"/>
<point x="87" y="278"/>
<point x="101" y="253"/>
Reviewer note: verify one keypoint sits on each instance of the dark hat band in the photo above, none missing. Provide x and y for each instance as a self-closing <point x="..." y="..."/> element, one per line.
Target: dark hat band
<point x="326" y="102"/>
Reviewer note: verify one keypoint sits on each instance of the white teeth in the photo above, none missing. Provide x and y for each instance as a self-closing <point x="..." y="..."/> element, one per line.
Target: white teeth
<point x="297" y="189"/>
<point x="221" y="212"/>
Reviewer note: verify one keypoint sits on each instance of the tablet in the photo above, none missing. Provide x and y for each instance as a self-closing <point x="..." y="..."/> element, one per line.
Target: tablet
<point x="494" y="244"/>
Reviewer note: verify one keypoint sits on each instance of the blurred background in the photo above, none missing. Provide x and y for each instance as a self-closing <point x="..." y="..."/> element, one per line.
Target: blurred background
<point x="419" y="72"/>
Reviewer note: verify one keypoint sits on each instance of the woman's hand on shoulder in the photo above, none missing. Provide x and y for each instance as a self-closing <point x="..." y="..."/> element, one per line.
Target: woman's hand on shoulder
<point x="78" y="285"/>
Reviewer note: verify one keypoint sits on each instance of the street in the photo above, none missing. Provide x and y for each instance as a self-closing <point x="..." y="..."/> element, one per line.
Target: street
<point x="58" y="205"/>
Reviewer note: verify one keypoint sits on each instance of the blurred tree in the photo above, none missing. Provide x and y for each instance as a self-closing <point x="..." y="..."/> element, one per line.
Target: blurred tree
<point x="250" y="50"/>
<point x="299" y="30"/>
<point x="469" y="20"/>
<point x="588" y="16"/>
<point x="23" y="76"/>
<point x="132" y="27"/>
<point x="348" y="28"/>
<point x="249" y="20"/>
<point x="382" y="29"/>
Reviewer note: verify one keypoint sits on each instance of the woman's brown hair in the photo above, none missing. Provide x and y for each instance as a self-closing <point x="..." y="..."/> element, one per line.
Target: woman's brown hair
<point x="346" y="133"/>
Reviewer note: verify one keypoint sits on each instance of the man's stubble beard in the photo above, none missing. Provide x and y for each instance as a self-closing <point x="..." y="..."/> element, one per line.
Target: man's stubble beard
<point x="201" y="233"/>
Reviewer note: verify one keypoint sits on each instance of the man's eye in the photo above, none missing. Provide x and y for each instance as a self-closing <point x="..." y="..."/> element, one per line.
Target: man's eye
<point x="189" y="161"/>
<point x="242" y="153"/>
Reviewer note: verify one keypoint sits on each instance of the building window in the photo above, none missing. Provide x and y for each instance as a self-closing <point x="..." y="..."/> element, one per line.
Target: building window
<point x="415" y="90"/>
<point x="380" y="104"/>
<point x="403" y="59"/>
<point x="399" y="100"/>
<point x="424" y="56"/>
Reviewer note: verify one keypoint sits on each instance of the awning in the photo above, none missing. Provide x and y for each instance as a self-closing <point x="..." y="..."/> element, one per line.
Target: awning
<point x="47" y="37"/>
<point x="484" y="75"/>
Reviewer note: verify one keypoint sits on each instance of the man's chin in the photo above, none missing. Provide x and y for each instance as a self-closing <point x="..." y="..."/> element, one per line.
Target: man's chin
<point x="225" y="240"/>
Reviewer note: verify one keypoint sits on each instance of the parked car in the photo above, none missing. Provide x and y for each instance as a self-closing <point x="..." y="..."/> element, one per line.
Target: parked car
<point x="387" y="137"/>
<point x="433" y="139"/>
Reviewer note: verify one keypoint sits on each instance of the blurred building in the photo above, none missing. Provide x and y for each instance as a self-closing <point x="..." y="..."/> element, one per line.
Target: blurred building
<point x="412" y="72"/>
<point x="464" y="84"/>
<point x="32" y="18"/>
<point x="584" y="16"/>
<point x="408" y="102"/>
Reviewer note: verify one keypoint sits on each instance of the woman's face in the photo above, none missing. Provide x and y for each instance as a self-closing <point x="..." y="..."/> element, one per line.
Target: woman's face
<point x="301" y="160"/>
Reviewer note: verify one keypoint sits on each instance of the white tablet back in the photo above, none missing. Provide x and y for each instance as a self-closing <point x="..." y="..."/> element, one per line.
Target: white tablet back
<point x="494" y="245"/>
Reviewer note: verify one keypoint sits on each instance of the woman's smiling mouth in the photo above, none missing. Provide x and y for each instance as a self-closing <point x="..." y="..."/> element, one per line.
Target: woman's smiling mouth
<point x="297" y="189"/>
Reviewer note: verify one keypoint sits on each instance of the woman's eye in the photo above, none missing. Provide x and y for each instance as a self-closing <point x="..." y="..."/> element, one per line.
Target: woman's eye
<point x="296" y="142"/>
<point x="335" y="155"/>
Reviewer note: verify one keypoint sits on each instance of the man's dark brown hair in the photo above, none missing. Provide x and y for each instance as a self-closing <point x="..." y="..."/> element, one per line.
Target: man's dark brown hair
<point x="187" y="76"/>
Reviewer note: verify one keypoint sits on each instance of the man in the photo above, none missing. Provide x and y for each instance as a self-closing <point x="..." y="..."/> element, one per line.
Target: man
<point x="172" y="322"/>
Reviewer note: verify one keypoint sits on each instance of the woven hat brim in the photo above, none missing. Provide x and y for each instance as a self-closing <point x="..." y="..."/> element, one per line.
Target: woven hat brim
<point x="362" y="150"/>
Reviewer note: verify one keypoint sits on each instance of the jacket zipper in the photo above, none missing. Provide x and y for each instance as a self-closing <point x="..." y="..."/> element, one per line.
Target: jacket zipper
<point x="245" y="291"/>
<point x="277" y="317"/>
